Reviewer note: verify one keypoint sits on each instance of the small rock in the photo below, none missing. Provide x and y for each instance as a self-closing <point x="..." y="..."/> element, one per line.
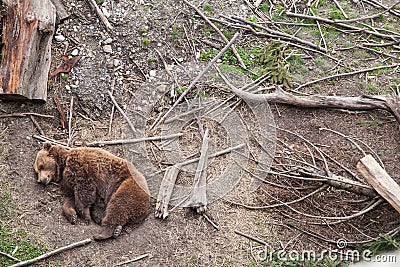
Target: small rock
<point x="75" y="52"/>
<point x="59" y="38"/>
<point x="116" y="62"/>
<point x="153" y="73"/>
<point x="107" y="49"/>
<point x="108" y="41"/>
<point x="180" y="59"/>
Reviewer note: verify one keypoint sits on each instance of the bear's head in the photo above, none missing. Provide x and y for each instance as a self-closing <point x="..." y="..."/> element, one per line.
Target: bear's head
<point x="47" y="164"/>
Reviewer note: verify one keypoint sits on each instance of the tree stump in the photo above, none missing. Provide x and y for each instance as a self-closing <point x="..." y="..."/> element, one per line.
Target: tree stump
<point x="27" y="29"/>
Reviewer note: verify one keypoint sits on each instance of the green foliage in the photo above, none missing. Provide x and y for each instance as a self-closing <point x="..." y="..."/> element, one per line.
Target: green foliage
<point x="264" y="7"/>
<point x="142" y="31"/>
<point x="146" y="42"/>
<point x="252" y="19"/>
<point x="176" y="32"/>
<point x="273" y="58"/>
<point x="99" y="2"/>
<point x="207" y="8"/>
<point x="382" y="244"/>
<point x="368" y="123"/>
<point x="14" y="241"/>
<point x="208" y="54"/>
<point x="64" y="76"/>
<point x="335" y="13"/>
<point x="180" y="90"/>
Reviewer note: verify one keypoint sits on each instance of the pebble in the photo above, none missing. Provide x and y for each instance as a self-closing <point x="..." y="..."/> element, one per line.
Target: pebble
<point x="107" y="49"/>
<point x="108" y="41"/>
<point x="116" y="62"/>
<point x="75" y="52"/>
<point x="153" y="73"/>
<point x="59" y="38"/>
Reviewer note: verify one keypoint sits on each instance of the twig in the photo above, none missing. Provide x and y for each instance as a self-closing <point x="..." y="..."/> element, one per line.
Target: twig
<point x="210" y="221"/>
<point x="34" y="121"/>
<point x="279" y="204"/>
<point x="61" y="111"/>
<point x="103" y="18"/>
<point x="219" y="153"/>
<point x="54" y="252"/>
<point x="132" y="141"/>
<point x="47" y="139"/>
<point x="121" y="111"/>
<point x="191" y="85"/>
<point x="281" y="34"/>
<point x="219" y="32"/>
<point x="112" y="108"/>
<point x="347" y="26"/>
<point x="252" y="238"/>
<point x="347" y="74"/>
<point x="341" y="9"/>
<point x="25" y="114"/>
<point x="9" y="256"/>
<point x="71" y="108"/>
<point x="133" y="260"/>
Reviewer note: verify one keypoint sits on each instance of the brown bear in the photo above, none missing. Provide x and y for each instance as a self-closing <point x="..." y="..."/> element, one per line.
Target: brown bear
<point x="96" y="185"/>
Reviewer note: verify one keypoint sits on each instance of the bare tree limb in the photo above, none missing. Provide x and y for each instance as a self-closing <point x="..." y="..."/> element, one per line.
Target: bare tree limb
<point x="54" y="252"/>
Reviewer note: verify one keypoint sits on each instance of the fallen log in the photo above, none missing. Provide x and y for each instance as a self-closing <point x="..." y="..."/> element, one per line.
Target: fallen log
<point x="390" y="103"/>
<point x="28" y="27"/>
<point x="380" y="180"/>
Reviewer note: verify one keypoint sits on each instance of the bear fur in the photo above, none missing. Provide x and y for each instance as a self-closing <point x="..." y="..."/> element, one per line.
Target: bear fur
<point x="96" y="185"/>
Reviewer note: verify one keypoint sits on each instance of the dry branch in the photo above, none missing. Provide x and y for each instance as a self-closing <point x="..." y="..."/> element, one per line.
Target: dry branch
<point x="132" y="141"/>
<point x="380" y="180"/>
<point x="133" y="260"/>
<point x="389" y="103"/>
<point x="219" y="32"/>
<point x="198" y="77"/>
<point x="198" y="199"/>
<point x="9" y="256"/>
<point x="100" y="13"/>
<point x="27" y="31"/>
<point x="54" y="252"/>
<point x="346" y="26"/>
<point x="121" y="111"/>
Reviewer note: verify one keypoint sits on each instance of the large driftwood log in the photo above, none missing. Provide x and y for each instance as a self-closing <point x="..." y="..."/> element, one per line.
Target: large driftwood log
<point x="390" y="103"/>
<point x="28" y="27"/>
<point x="379" y="179"/>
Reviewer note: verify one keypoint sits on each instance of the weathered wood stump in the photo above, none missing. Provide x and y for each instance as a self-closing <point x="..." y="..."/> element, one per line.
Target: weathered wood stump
<point x="27" y="29"/>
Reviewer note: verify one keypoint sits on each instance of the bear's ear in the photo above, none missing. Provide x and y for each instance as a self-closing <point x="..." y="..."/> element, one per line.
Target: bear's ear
<point x="47" y="146"/>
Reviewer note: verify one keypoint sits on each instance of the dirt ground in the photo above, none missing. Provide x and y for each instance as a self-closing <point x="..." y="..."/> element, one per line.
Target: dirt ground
<point x="134" y="72"/>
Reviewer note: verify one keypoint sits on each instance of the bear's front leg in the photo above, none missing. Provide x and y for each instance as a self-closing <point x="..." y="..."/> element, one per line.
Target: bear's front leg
<point x="84" y="210"/>
<point x="69" y="210"/>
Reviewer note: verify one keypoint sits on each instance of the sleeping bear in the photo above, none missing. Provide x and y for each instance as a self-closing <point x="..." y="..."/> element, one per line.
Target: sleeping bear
<point x="96" y="185"/>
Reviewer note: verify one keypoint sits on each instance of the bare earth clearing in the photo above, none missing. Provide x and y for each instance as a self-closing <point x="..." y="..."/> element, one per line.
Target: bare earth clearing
<point x="134" y="69"/>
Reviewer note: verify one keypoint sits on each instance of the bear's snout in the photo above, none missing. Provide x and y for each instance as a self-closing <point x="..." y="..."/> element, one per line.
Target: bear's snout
<point x="44" y="178"/>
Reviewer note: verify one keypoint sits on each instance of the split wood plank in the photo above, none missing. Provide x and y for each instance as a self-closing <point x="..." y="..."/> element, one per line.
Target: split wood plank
<point x="164" y="195"/>
<point x="380" y="180"/>
<point x="28" y="27"/>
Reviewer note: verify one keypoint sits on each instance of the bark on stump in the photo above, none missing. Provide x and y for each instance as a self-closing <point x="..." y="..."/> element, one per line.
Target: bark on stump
<point x="27" y="28"/>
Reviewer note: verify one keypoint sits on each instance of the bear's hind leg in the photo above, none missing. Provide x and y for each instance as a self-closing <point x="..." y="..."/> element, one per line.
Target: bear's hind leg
<point x="69" y="210"/>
